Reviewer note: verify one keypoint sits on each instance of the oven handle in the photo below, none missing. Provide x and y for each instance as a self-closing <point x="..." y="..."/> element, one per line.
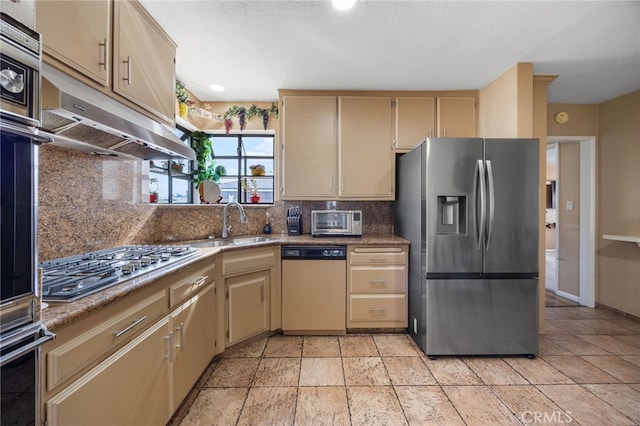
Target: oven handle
<point x="28" y="131"/>
<point x="46" y="336"/>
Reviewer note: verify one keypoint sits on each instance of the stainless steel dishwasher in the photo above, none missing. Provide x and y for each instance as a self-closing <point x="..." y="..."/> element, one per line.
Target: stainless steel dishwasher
<point x="314" y="289"/>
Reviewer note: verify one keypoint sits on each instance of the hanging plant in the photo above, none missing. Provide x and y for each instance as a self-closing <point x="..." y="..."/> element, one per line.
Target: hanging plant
<point x="181" y="92"/>
<point x="244" y="114"/>
<point x="205" y="163"/>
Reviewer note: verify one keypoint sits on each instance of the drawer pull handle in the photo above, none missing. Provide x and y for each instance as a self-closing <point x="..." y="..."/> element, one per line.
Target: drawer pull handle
<point x="133" y="324"/>
<point x="378" y="260"/>
<point x="379" y="309"/>
<point x="199" y="281"/>
<point x="378" y="282"/>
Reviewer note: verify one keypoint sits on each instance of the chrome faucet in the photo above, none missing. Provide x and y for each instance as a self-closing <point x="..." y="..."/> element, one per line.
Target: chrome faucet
<point x="226" y="226"/>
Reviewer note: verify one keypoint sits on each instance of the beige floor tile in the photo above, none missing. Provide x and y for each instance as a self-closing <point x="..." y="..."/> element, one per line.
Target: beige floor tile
<point x="494" y="371"/>
<point x="552" y="330"/>
<point x="633" y="359"/>
<point x="395" y="345"/>
<point x="604" y="326"/>
<point x="583" y="312"/>
<point x="452" y="371"/>
<point x="622" y="370"/>
<point x="611" y="344"/>
<point x="320" y="346"/>
<point x="216" y="406"/>
<point x="321" y="372"/>
<point x="358" y="345"/>
<point x="583" y="406"/>
<point x="551" y="313"/>
<point x="636" y="386"/>
<point x="579" y="370"/>
<point x="530" y="405"/>
<point x="284" y="347"/>
<point x="326" y="405"/>
<point x="233" y="373"/>
<point x="537" y="371"/>
<point x="277" y="372"/>
<point x="626" y="323"/>
<point x="548" y="347"/>
<point x="577" y="346"/>
<point x="251" y="349"/>
<point x="365" y="371"/>
<point x="269" y="406"/>
<point x="404" y="370"/>
<point x="572" y="327"/>
<point x="374" y="405"/>
<point x="621" y="397"/>
<point x="633" y="340"/>
<point x="477" y="405"/>
<point x="427" y="406"/>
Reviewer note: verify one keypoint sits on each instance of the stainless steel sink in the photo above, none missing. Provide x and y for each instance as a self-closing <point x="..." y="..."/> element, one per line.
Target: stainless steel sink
<point x="238" y="241"/>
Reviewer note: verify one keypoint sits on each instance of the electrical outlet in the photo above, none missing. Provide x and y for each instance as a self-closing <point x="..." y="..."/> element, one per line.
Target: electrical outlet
<point x="569" y="205"/>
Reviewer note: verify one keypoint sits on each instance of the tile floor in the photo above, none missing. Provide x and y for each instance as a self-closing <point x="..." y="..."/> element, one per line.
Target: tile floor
<point x="587" y="373"/>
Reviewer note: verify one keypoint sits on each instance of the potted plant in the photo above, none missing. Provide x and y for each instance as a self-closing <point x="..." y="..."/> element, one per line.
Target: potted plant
<point x="257" y="170"/>
<point x="153" y="188"/>
<point x="183" y="98"/>
<point x="177" y="166"/>
<point x="252" y="186"/>
<point x="205" y="164"/>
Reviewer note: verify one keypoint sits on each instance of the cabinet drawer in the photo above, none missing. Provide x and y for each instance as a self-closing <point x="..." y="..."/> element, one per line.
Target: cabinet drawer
<point x="190" y="285"/>
<point x="64" y="361"/>
<point x="383" y="279"/>
<point x="248" y="262"/>
<point x="375" y="308"/>
<point x="377" y="256"/>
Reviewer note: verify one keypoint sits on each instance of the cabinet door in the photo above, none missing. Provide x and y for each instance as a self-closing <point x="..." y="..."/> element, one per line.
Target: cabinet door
<point x="366" y="157"/>
<point x="456" y="117"/>
<point x="131" y="387"/>
<point x="144" y="60"/>
<point x="309" y="147"/>
<point x="415" y="121"/>
<point x="78" y="34"/>
<point x="194" y="342"/>
<point x="247" y="311"/>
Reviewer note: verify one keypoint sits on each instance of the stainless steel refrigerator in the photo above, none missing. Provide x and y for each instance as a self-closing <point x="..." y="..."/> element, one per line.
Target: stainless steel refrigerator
<point x="470" y="209"/>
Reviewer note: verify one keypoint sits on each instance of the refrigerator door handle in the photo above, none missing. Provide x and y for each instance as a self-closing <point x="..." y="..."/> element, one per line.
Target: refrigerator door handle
<point x="491" y="204"/>
<point x="479" y="183"/>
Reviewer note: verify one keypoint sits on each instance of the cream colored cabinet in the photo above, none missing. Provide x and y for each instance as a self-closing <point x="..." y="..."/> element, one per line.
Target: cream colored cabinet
<point x="78" y="34"/>
<point x="131" y="387"/>
<point x="252" y="283"/>
<point x="366" y="158"/>
<point x="309" y="150"/>
<point x="135" y="61"/>
<point x="144" y="60"/>
<point x="194" y="341"/>
<point x="456" y="117"/>
<point x="415" y="121"/>
<point x="377" y="287"/>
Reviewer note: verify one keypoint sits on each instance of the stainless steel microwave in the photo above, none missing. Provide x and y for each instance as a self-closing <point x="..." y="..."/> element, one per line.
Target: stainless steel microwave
<point x="336" y="223"/>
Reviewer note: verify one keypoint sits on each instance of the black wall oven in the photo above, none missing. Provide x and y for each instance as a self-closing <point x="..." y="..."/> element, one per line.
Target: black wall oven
<point x="21" y="334"/>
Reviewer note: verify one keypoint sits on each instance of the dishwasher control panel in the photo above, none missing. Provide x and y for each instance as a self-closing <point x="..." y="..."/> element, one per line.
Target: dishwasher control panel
<point x="314" y="252"/>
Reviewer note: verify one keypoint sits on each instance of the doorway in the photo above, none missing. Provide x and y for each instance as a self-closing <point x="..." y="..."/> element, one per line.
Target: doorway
<point x="570" y="264"/>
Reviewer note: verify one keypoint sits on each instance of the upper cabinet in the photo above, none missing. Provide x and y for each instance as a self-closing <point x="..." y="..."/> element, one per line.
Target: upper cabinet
<point x="144" y="60"/>
<point x="456" y="117"/>
<point x="366" y="161"/>
<point x="136" y="61"/>
<point x="415" y="121"/>
<point x="309" y="150"/>
<point x="336" y="148"/>
<point x="78" y="34"/>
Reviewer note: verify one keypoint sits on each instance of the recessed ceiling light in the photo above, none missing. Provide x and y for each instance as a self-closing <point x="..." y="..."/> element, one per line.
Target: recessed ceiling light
<point x="216" y="87"/>
<point x="343" y="4"/>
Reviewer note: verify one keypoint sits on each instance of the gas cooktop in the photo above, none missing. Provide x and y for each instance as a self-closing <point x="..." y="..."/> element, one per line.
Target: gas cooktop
<point x="71" y="278"/>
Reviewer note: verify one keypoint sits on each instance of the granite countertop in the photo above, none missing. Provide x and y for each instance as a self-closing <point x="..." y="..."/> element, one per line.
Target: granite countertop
<point x="57" y="315"/>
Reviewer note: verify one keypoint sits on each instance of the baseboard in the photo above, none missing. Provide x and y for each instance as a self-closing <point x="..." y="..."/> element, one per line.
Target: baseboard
<point x="568" y="296"/>
<point x="618" y="311"/>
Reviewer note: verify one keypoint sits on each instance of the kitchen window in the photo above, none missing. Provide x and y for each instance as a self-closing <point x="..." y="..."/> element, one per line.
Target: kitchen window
<point x="245" y="158"/>
<point x="170" y="180"/>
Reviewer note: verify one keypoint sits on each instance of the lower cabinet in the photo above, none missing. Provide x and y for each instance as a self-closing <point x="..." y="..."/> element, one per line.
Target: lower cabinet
<point x="247" y="307"/>
<point x="377" y="287"/>
<point x="131" y="387"/>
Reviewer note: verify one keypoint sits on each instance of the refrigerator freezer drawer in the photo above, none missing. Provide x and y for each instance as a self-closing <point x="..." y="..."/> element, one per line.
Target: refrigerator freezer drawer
<point x="481" y="317"/>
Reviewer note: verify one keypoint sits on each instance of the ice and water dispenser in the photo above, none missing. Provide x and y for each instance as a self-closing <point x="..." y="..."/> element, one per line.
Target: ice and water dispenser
<point x="452" y="215"/>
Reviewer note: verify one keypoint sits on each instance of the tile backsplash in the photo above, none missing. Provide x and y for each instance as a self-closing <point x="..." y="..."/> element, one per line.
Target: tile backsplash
<point x="88" y="203"/>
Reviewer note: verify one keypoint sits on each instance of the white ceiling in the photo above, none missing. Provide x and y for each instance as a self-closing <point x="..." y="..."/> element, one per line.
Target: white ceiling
<point x="254" y="48"/>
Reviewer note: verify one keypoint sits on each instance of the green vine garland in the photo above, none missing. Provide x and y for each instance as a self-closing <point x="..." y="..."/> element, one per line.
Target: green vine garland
<point x="244" y="114"/>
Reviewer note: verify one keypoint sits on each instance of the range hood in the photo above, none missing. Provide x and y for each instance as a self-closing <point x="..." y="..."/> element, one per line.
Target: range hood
<point x="77" y="116"/>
